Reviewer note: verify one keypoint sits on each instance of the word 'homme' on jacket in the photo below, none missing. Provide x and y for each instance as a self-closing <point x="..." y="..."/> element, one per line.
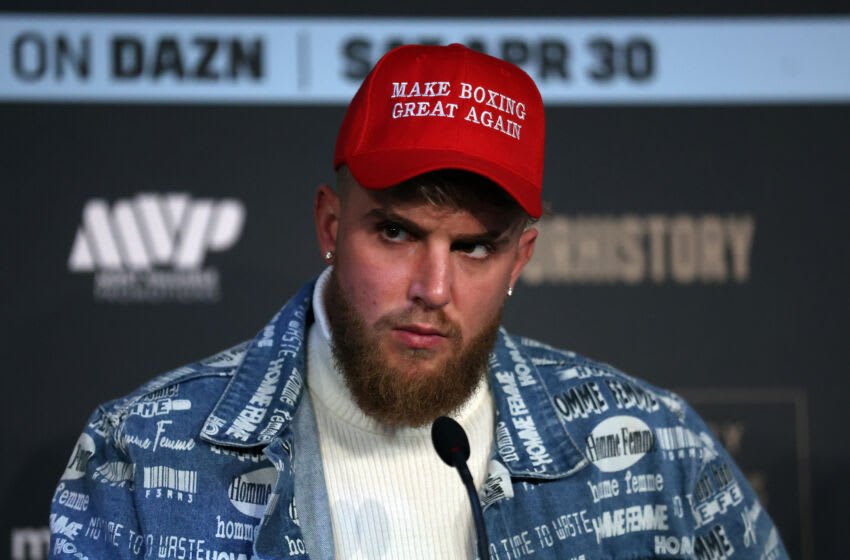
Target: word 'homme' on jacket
<point x="218" y="460"/>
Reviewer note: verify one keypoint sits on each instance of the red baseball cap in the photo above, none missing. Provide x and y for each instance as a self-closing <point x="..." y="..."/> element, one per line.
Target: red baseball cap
<point x="424" y="108"/>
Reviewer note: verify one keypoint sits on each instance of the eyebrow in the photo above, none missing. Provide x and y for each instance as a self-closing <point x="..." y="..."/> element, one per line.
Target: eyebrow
<point x="493" y="237"/>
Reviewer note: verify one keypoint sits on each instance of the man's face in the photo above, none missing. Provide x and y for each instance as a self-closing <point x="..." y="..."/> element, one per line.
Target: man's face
<point x="416" y="296"/>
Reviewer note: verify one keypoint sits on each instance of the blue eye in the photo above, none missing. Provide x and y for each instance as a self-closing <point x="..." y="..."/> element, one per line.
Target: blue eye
<point x="475" y="250"/>
<point x="393" y="232"/>
<point x="479" y="251"/>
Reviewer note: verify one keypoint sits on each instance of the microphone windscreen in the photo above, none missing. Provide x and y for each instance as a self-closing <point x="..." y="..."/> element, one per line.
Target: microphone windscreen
<point x="449" y="438"/>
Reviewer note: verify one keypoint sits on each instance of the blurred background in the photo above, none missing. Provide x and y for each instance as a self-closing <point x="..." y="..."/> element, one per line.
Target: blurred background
<point x="159" y="162"/>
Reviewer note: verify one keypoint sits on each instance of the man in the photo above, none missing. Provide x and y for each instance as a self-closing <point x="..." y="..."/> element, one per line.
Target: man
<point x="313" y="439"/>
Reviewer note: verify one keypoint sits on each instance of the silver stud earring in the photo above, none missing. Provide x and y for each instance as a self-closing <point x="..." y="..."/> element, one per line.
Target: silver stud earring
<point x="329" y="256"/>
<point x="510" y="291"/>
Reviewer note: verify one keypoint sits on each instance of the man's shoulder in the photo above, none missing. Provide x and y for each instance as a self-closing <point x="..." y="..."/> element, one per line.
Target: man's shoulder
<point x="582" y="387"/>
<point x="184" y="395"/>
<point x="221" y="364"/>
<point x="617" y="418"/>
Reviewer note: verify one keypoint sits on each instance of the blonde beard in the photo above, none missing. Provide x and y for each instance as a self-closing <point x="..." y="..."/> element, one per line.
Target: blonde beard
<point x="394" y="395"/>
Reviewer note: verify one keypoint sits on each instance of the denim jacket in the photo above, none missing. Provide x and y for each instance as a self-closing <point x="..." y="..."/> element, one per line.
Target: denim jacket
<point x="219" y="460"/>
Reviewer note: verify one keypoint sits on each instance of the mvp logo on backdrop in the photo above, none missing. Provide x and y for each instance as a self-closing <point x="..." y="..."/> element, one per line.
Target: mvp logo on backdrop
<point x="151" y="248"/>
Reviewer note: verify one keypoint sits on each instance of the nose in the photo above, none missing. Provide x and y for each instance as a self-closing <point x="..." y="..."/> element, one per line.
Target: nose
<point x="431" y="278"/>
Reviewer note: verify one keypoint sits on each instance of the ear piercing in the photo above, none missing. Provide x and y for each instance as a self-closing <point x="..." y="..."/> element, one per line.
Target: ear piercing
<point x="510" y="291"/>
<point x="329" y="256"/>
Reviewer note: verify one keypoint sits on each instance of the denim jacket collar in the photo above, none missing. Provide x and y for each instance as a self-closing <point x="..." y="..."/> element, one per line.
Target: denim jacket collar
<point x="261" y="399"/>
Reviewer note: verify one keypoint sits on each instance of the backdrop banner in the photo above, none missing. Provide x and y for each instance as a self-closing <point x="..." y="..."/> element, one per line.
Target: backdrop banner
<point x="159" y="174"/>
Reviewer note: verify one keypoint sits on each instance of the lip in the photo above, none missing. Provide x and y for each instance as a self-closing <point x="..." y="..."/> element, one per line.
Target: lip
<point x="419" y="336"/>
<point x="421" y="328"/>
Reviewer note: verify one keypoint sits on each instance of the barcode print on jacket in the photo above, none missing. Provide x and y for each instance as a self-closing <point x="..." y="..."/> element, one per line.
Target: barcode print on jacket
<point x="173" y="479"/>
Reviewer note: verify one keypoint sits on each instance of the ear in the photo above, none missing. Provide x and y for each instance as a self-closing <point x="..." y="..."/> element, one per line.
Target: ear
<point x="525" y="250"/>
<point x="326" y="212"/>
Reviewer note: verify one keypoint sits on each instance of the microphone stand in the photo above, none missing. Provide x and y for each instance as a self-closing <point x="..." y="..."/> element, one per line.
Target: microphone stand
<point x="452" y="446"/>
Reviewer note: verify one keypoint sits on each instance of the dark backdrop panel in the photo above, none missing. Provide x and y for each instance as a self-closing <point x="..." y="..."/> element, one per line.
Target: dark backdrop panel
<point x="758" y="355"/>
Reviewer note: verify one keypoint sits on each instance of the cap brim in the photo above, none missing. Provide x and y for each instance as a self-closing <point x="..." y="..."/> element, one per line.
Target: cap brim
<point x="387" y="168"/>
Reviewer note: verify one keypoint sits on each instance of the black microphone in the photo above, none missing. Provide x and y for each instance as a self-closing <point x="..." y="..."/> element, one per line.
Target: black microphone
<point x="452" y="446"/>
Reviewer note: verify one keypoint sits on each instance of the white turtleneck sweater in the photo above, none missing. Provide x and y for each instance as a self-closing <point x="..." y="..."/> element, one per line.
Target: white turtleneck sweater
<point x="389" y="493"/>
